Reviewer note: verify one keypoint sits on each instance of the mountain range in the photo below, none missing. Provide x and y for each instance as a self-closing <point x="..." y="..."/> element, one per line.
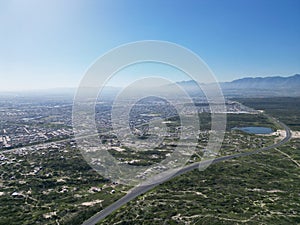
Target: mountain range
<point x="276" y="86"/>
<point x="254" y="86"/>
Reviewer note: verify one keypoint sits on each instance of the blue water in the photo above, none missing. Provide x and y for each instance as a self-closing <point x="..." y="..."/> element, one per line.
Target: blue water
<point x="254" y="130"/>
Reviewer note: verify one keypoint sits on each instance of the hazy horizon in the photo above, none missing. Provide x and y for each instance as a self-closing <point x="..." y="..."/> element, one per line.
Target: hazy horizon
<point x="111" y="86"/>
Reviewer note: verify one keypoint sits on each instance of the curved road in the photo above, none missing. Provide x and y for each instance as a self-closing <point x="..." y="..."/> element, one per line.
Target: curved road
<point x="146" y="187"/>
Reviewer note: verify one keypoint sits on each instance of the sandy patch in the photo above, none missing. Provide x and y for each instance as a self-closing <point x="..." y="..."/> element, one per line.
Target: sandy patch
<point x="91" y="203"/>
<point x="275" y="191"/>
<point x="49" y="215"/>
<point x="281" y="134"/>
<point x="295" y="134"/>
<point x="118" y="149"/>
<point x="61" y="180"/>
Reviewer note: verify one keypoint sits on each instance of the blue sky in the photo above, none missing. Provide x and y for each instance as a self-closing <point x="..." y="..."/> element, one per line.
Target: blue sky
<point x="51" y="43"/>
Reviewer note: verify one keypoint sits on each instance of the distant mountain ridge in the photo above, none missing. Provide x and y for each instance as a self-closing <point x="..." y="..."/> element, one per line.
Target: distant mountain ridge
<point x="265" y="82"/>
<point x="254" y="86"/>
<point x="276" y="86"/>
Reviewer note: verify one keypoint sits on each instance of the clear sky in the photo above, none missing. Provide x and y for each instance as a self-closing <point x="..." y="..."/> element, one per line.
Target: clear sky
<point x="51" y="43"/>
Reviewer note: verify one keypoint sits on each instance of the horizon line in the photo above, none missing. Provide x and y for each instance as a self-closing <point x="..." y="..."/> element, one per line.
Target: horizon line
<point x="112" y="86"/>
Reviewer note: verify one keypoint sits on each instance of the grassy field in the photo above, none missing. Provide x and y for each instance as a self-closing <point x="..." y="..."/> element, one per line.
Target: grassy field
<point x="284" y="108"/>
<point x="259" y="189"/>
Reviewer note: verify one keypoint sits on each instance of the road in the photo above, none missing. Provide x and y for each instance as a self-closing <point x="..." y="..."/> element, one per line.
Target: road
<point x="133" y="193"/>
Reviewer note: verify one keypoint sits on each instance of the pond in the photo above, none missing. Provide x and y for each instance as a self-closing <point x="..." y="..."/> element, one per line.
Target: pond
<point x="254" y="130"/>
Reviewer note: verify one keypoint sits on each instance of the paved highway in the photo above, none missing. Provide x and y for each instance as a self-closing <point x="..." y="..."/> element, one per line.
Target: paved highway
<point x="146" y="187"/>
